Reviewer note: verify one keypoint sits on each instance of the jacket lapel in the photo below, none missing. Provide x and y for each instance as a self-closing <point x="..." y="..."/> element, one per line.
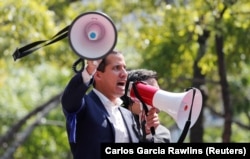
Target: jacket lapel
<point x="127" y="118"/>
<point x="100" y="104"/>
<point x="130" y="125"/>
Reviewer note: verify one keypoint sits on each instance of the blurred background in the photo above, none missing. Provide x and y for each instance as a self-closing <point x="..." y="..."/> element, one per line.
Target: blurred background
<point x="202" y="43"/>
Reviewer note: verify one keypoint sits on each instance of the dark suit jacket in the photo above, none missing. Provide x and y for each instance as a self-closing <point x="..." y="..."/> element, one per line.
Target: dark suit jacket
<point x="88" y="122"/>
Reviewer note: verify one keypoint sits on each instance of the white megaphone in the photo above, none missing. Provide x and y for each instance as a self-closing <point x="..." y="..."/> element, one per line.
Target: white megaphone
<point x="177" y="105"/>
<point x="92" y="35"/>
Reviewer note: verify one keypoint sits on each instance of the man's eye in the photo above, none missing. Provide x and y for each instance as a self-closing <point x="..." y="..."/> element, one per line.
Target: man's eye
<point x="116" y="68"/>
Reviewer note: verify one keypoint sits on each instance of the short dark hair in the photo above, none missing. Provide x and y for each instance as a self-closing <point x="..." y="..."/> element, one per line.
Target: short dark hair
<point x="141" y="75"/>
<point x="104" y="61"/>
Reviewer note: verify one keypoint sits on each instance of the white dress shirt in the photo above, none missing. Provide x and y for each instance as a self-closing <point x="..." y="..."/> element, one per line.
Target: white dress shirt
<point x="121" y="134"/>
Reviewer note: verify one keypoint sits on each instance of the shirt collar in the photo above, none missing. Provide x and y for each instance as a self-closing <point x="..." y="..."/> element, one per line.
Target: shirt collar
<point x="106" y="102"/>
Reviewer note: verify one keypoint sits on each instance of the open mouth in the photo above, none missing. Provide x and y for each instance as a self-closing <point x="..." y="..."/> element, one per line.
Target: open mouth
<point x="123" y="83"/>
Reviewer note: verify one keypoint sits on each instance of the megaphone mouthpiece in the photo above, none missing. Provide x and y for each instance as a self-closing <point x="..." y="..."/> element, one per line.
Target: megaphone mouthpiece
<point x="95" y="31"/>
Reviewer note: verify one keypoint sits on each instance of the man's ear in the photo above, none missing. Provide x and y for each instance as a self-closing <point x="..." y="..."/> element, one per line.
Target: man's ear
<point x="97" y="75"/>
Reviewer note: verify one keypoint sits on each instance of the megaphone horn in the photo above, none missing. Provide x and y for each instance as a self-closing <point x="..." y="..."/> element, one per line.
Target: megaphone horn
<point x="92" y="35"/>
<point x="177" y="105"/>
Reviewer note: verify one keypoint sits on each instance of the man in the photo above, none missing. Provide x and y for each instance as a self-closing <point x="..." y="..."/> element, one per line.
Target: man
<point x="161" y="134"/>
<point x="97" y="117"/>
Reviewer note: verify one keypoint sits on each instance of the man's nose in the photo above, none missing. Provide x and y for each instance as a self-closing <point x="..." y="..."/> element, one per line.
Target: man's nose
<point x="124" y="72"/>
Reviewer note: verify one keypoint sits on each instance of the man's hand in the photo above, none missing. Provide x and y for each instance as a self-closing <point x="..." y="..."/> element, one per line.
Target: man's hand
<point x="92" y="66"/>
<point x="152" y="120"/>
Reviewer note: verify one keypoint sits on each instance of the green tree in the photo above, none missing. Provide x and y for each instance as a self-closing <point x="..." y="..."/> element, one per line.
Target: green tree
<point x="170" y="45"/>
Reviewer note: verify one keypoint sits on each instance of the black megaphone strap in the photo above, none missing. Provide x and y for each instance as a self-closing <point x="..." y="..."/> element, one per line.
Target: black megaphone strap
<point x="30" y="48"/>
<point x="188" y="122"/>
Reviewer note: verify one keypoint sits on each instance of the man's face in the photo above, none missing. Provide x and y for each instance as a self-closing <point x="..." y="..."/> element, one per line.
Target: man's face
<point x="112" y="81"/>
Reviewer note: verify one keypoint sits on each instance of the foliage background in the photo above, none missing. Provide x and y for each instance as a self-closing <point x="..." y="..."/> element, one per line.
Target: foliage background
<point x="154" y="34"/>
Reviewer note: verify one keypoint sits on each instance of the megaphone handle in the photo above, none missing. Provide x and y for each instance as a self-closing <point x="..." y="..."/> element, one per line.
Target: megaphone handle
<point x="152" y="129"/>
<point x="74" y="66"/>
